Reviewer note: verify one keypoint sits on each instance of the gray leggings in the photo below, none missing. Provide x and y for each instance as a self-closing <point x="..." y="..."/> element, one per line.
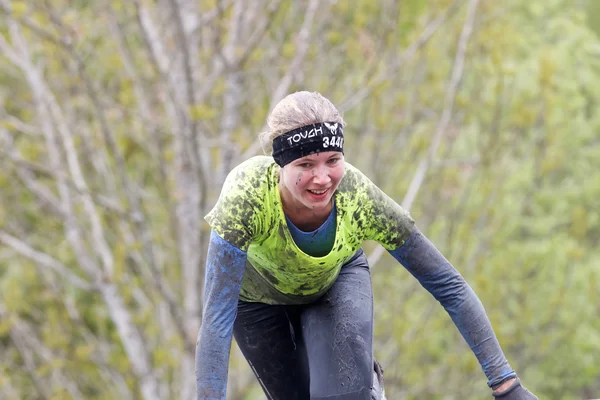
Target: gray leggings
<point x="322" y="350"/>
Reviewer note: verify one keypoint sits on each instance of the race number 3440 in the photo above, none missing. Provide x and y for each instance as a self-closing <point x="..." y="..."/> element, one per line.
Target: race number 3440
<point x="335" y="141"/>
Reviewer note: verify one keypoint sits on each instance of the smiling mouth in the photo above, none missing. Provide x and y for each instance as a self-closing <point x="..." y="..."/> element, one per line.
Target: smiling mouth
<point x="318" y="192"/>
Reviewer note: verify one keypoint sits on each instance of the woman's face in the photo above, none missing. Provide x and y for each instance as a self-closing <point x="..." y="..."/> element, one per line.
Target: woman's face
<point x="312" y="180"/>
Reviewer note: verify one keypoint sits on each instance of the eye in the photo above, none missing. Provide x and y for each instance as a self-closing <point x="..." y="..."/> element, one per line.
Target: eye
<point x="333" y="160"/>
<point x="305" y="165"/>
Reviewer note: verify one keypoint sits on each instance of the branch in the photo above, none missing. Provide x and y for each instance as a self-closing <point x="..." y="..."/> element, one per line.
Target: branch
<point x="455" y="80"/>
<point x="44" y="260"/>
<point x="133" y="342"/>
<point x="130" y="337"/>
<point x="72" y="230"/>
<point x="22" y="126"/>
<point x="259" y="32"/>
<point x="35" y="28"/>
<point x="160" y="282"/>
<point x="152" y="40"/>
<point x="142" y="232"/>
<point x="29" y="363"/>
<point x="27" y="356"/>
<point x="47" y="101"/>
<point x="29" y="339"/>
<point x="6" y="387"/>
<point x="423" y="39"/>
<point x="453" y="86"/>
<point x="25" y="170"/>
<point x="192" y="147"/>
<point x="303" y="40"/>
<point x="209" y="16"/>
<point x="140" y="91"/>
<point x="102" y="353"/>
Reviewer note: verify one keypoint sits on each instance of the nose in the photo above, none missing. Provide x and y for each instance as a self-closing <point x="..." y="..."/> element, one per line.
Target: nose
<point x="321" y="176"/>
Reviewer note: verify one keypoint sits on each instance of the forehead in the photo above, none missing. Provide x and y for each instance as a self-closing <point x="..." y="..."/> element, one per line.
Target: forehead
<point x="319" y="156"/>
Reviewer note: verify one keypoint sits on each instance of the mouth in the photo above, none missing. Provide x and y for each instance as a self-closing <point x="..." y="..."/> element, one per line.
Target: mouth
<point x="318" y="194"/>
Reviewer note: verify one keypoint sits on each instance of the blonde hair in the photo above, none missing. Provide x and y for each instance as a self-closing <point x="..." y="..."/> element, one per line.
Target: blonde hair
<point x="297" y="110"/>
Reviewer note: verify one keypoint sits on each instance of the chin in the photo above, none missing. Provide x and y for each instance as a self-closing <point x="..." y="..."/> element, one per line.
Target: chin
<point x="318" y="204"/>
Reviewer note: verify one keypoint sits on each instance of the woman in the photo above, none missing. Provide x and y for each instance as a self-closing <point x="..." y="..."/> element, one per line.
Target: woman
<point x="286" y="276"/>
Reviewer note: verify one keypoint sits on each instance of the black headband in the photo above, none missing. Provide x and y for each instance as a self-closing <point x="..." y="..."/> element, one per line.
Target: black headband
<point x="309" y="139"/>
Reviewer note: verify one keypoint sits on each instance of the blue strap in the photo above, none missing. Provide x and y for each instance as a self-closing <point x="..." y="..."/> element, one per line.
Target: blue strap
<point x="420" y="257"/>
<point x="224" y="272"/>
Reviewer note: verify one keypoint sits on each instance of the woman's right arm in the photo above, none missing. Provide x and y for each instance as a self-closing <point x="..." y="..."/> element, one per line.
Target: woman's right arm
<point x="224" y="272"/>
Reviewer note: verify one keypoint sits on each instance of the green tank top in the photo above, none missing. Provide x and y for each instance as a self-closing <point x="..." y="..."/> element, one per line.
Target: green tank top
<point x="249" y="215"/>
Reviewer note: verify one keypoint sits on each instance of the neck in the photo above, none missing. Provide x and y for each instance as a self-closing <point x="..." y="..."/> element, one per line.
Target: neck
<point x="306" y="219"/>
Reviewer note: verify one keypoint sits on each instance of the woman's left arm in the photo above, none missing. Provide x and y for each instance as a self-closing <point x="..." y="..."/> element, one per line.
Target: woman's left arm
<point x="422" y="259"/>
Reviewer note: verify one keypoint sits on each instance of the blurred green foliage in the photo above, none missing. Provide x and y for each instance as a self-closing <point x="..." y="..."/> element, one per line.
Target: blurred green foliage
<point x="511" y="197"/>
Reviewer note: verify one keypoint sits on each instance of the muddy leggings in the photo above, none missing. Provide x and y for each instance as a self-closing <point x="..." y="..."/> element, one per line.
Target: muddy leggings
<point x="323" y="350"/>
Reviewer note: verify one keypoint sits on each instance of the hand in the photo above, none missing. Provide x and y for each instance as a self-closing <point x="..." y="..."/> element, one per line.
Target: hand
<point x="516" y="391"/>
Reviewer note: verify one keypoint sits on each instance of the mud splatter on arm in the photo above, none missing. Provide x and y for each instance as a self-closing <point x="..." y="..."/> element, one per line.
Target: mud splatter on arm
<point x="224" y="272"/>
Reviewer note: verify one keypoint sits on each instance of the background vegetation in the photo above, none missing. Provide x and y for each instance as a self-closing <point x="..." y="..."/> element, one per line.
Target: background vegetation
<point x="120" y="119"/>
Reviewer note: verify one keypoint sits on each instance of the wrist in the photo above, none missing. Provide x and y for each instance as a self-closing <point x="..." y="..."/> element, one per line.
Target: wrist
<point x="505" y="385"/>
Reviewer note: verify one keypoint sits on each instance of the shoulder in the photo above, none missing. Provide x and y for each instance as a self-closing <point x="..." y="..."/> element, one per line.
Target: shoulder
<point x="237" y="213"/>
<point x="354" y="179"/>
<point x="354" y="194"/>
<point x="257" y="162"/>
<point x="252" y="168"/>
<point x="246" y="186"/>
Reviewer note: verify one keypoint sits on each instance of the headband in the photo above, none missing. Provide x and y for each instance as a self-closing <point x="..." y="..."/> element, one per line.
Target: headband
<point x="309" y="139"/>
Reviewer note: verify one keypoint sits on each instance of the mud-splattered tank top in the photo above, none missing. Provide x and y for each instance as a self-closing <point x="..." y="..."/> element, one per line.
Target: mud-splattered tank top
<point x="249" y="215"/>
